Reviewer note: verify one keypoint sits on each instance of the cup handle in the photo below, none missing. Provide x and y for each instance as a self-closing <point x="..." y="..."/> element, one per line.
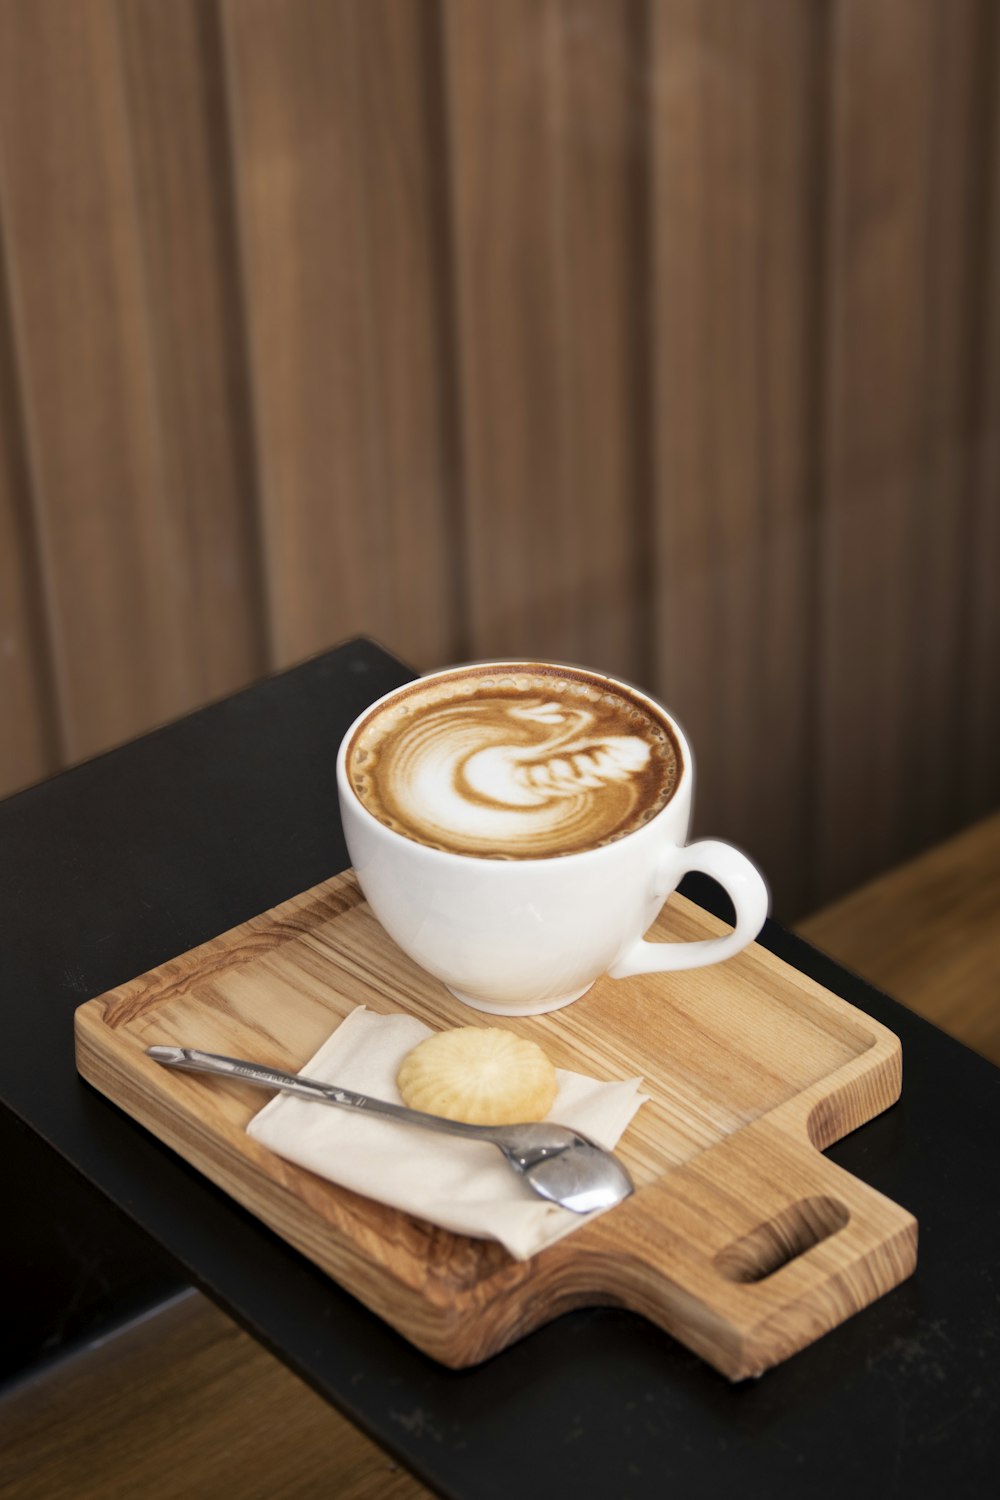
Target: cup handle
<point x="746" y="889"/>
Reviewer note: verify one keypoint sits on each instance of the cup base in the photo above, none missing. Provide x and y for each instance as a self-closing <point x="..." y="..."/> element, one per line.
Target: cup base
<point x="536" y="1008"/>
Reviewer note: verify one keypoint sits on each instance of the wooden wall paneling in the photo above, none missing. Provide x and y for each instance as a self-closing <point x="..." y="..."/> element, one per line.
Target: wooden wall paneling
<point x="124" y="647"/>
<point x="964" y="43"/>
<point x="337" y="167"/>
<point x="897" y="438"/>
<point x="178" y="124"/>
<point x="545" y="106"/>
<point x="978" y="738"/>
<point x="737" y="135"/>
<point x="29" y="741"/>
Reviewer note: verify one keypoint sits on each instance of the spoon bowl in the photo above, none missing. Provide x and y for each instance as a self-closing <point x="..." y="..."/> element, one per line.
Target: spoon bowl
<point x="583" y="1178"/>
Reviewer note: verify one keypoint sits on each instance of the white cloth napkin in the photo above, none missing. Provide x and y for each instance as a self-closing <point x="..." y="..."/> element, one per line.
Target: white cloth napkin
<point x="463" y="1185"/>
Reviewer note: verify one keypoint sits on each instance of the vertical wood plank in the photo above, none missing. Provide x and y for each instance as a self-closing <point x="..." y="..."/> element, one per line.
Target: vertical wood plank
<point x="955" y="301"/>
<point x="978" y="738"/>
<point x="74" y="269"/>
<point x="401" y="167"/>
<point x="737" y="99"/>
<point x="177" y="120"/>
<point x="902" y="315"/>
<point x="544" y="105"/>
<point x="124" y="389"/>
<point x="338" y="192"/>
<point x="29" y="746"/>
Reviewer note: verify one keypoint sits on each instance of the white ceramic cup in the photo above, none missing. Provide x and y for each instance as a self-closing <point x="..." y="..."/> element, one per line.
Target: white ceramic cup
<point x="520" y="937"/>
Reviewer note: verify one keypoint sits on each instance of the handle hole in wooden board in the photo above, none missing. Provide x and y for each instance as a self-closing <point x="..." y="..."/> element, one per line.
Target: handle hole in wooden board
<point x="781" y="1239"/>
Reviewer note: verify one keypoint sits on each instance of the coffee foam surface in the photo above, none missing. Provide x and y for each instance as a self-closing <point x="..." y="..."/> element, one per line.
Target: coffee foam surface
<point x="518" y="765"/>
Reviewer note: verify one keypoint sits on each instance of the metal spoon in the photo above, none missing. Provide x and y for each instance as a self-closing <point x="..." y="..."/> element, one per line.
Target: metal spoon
<point x="557" y="1163"/>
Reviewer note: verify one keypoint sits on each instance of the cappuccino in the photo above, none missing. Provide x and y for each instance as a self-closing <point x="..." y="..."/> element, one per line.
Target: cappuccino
<point x="522" y="761"/>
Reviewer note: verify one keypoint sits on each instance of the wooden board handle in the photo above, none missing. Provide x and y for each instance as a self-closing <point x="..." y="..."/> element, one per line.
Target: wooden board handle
<point x="758" y="1246"/>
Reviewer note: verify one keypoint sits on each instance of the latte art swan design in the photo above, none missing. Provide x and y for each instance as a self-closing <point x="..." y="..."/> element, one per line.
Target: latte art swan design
<point x="516" y="777"/>
<point x="568" y="764"/>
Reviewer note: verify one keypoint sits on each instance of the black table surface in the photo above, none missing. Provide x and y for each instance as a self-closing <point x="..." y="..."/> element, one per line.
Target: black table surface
<point x="132" y="858"/>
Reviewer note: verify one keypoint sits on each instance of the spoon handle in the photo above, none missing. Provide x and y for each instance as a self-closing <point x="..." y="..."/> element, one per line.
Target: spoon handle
<point x="190" y="1060"/>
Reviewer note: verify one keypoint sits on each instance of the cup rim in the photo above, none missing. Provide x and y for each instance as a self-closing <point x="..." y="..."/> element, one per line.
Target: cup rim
<point x="512" y="664"/>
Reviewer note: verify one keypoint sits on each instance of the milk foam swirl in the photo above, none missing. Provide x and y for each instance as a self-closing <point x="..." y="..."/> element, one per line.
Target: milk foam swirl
<point x="500" y="771"/>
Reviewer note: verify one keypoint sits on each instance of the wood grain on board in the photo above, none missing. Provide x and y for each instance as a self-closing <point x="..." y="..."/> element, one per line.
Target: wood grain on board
<point x="742" y="1239"/>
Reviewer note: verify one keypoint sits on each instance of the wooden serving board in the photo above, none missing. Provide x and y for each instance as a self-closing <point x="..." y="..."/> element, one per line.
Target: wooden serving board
<point x="742" y="1240"/>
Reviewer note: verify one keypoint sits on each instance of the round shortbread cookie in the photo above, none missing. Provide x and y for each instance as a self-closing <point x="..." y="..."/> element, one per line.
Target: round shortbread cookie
<point x="480" y="1074"/>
